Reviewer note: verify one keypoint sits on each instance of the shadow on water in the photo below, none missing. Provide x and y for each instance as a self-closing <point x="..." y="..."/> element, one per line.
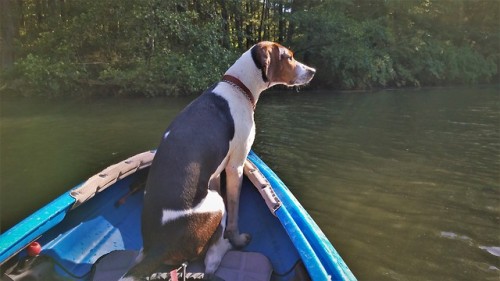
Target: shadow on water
<point x="405" y="183"/>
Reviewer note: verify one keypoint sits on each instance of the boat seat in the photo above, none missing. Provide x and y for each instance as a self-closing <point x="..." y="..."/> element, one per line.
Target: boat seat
<point x="235" y="266"/>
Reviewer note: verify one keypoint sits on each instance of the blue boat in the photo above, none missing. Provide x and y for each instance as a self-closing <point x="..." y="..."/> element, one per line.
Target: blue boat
<point x="87" y="231"/>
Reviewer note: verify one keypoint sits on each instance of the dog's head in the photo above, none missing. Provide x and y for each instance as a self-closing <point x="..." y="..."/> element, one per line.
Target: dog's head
<point x="278" y="65"/>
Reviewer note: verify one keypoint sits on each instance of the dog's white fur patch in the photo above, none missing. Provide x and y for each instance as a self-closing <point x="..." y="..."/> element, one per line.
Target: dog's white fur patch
<point x="213" y="202"/>
<point x="217" y="251"/>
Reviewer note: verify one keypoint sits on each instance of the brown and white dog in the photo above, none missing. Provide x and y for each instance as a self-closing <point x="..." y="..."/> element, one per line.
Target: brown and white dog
<point x="184" y="215"/>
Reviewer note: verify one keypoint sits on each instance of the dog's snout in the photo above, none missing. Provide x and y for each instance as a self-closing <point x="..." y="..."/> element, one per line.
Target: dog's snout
<point x="310" y="71"/>
<point x="304" y="75"/>
<point x="307" y="69"/>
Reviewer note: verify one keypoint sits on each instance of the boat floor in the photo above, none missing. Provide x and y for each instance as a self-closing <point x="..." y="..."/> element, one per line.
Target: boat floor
<point x="101" y="226"/>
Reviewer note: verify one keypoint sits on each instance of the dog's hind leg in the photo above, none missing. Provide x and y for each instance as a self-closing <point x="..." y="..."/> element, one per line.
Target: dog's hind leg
<point x="217" y="250"/>
<point x="215" y="254"/>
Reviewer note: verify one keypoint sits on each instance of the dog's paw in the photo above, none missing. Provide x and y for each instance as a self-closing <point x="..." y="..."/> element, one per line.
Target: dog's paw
<point x="238" y="240"/>
<point x="215" y="254"/>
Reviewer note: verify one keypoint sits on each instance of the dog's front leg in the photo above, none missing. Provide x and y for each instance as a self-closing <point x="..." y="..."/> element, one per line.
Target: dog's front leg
<point x="234" y="178"/>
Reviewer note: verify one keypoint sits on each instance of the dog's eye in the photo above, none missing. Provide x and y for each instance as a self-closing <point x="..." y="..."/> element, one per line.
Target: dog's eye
<point x="286" y="56"/>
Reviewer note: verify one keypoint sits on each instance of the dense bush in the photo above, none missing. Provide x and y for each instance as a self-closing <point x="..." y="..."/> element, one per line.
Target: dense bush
<point x="395" y="43"/>
<point x="156" y="47"/>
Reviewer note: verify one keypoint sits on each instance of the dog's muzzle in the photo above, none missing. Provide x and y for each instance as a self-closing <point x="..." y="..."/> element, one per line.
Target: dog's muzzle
<point x="304" y="74"/>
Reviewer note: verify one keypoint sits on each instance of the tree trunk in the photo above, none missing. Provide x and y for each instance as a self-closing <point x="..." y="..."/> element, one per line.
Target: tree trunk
<point x="262" y="18"/>
<point x="39" y="12"/>
<point x="281" y="22"/>
<point x="249" y="26"/>
<point x="62" y="10"/>
<point x="9" y="28"/>
<point x="226" y="41"/>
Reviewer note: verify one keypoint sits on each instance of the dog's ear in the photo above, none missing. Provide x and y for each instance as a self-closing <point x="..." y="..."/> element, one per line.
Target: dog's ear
<point x="264" y="54"/>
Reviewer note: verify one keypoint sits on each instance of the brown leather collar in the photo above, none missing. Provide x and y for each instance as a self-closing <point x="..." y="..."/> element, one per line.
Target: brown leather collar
<point x="243" y="89"/>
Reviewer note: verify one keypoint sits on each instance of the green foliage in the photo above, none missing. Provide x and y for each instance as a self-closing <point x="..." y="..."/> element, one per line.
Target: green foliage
<point x="365" y="44"/>
<point x="41" y="76"/>
<point x="129" y="48"/>
<point x="156" y="47"/>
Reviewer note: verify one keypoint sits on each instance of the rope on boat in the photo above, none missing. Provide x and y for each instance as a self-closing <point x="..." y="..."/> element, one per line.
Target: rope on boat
<point x="263" y="186"/>
<point x="113" y="173"/>
<point x="109" y="176"/>
<point x="175" y="274"/>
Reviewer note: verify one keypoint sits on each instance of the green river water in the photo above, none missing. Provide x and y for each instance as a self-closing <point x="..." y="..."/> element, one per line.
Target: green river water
<point x="405" y="183"/>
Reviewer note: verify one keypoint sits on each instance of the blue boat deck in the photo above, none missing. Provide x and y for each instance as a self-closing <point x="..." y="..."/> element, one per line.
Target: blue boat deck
<point x="100" y="226"/>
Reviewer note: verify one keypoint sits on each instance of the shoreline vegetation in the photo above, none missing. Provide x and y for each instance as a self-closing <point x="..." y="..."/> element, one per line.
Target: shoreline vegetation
<point x="158" y="48"/>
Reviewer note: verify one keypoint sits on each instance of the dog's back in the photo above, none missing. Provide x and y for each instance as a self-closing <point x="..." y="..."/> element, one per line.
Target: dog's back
<point x="181" y="217"/>
<point x="199" y="134"/>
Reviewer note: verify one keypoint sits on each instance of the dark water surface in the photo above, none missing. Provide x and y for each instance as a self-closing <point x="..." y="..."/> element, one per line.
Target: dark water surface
<point x="404" y="183"/>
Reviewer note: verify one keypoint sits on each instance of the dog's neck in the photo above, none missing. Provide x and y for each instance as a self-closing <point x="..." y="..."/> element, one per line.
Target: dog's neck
<point x="247" y="72"/>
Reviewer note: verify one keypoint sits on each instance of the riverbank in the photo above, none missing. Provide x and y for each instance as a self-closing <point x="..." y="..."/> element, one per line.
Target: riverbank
<point x="100" y="93"/>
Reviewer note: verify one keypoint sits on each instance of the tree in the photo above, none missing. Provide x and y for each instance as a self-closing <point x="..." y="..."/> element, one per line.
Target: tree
<point x="156" y="47"/>
<point x="9" y="32"/>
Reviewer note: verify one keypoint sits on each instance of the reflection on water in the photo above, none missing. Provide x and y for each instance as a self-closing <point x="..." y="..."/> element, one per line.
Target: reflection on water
<point x="386" y="174"/>
<point x="404" y="183"/>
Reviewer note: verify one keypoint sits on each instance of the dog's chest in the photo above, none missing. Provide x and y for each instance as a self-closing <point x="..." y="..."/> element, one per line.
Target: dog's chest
<point x="244" y="128"/>
<point x="242" y="113"/>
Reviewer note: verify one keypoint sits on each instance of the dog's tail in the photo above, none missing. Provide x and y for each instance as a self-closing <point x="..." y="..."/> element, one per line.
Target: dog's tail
<point x="144" y="266"/>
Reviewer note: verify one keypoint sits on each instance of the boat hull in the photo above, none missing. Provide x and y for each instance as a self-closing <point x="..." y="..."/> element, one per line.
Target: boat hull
<point x="110" y="220"/>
